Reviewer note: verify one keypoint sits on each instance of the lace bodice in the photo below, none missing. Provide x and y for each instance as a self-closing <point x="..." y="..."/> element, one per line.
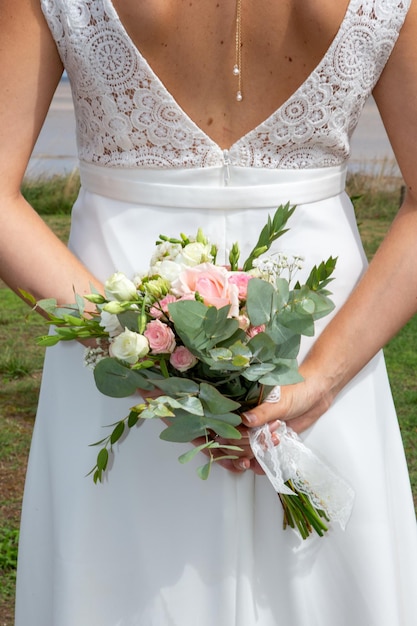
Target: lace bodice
<point x="126" y="117"/>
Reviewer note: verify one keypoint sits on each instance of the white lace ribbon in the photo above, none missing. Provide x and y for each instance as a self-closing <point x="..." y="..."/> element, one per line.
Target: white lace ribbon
<point x="292" y="460"/>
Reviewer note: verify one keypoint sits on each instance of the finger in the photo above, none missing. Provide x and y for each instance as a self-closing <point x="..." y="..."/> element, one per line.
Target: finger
<point x="262" y="414"/>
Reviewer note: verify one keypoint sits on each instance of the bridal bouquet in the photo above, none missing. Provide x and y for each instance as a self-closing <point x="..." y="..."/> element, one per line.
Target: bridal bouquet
<point x="213" y="340"/>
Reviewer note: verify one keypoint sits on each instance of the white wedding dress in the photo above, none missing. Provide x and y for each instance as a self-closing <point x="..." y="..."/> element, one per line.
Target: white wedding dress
<point x="154" y="545"/>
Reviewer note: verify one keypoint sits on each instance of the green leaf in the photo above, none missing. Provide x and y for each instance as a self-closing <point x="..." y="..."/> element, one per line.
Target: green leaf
<point x="183" y="429"/>
<point x="176" y="386"/>
<point x="260" y="301"/>
<point x="130" y="320"/>
<point x="215" y="319"/>
<point x="297" y="321"/>
<point x="270" y="232"/>
<point x="204" y="471"/>
<point x="188" y="317"/>
<point x="221" y="354"/>
<point x="285" y="373"/>
<point x="117" y="432"/>
<point x="263" y="347"/>
<point x="48" y="340"/>
<point x="320" y="276"/>
<point x="256" y="371"/>
<point x="133" y="419"/>
<point x="28" y="297"/>
<point x="223" y="429"/>
<point x="215" y="402"/>
<point x="240" y="361"/>
<point x="289" y="348"/>
<point x="49" y="305"/>
<point x="102" y="460"/>
<point x="116" y="380"/>
<point x="80" y="302"/>
<point x="188" y="456"/>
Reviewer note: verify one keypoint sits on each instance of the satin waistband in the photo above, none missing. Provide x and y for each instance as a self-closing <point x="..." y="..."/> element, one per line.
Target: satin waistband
<point x="228" y="187"/>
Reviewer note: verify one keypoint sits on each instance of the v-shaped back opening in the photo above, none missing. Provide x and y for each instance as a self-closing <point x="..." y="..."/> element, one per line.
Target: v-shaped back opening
<point x="258" y="127"/>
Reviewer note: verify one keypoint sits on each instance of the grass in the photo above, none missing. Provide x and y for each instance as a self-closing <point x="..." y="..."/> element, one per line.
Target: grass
<point x="377" y="198"/>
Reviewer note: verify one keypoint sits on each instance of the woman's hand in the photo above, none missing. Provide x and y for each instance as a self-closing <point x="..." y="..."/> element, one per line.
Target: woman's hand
<point x="300" y="406"/>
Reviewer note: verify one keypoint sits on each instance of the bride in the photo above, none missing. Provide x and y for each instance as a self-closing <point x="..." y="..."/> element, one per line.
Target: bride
<point x="210" y="114"/>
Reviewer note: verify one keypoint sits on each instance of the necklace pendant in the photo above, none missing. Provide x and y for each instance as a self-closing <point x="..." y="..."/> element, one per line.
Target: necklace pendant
<point x="239" y="96"/>
<point x="236" y="70"/>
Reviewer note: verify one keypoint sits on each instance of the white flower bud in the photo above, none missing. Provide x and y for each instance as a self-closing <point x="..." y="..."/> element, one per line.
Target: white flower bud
<point x="119" y="287"/>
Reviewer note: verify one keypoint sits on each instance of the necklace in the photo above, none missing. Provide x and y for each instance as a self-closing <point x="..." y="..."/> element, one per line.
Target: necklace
<point x="237" y="68"/>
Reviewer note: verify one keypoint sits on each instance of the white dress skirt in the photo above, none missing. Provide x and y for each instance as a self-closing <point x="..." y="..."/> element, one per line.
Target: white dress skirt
<point x="156" y="546"/>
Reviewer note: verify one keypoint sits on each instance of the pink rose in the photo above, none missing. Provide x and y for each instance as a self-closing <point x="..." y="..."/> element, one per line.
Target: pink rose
<point x="160" y="337"/>
<point x="211" y="283"/>
<point x="182" y="359"/>
<point x="240" y="279"/>
<point x="255" y="330"/>
<point x="161" y="308"/>
<point x="244" y="322"/>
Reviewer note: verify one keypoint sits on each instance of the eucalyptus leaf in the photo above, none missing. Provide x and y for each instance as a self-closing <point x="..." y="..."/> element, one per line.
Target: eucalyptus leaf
<point x="215" y="319"/>
<point x="49" y="305"/>
<point x="297" y="321"/>
<point x="176" y="386"/>
<point x="183" y="429"/>
<point x="262" y="346"/>
<point x="256" y="371"/>
<point x="285" y="373"/>
<point x="204" y="471"/>
<point x="188" y="456"/>
<point x="215" y="402"/>
<point x="130" y="320"/>
<point x="223" y="429"/>
<point x="80" y="302"/>
<point x="188" y="317"/>
<point x="117" y="380"/>
<point x="260" y="301"/>
<point x="221" y="354"/>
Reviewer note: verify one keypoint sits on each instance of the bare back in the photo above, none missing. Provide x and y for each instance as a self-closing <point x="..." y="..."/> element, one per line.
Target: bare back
<point x="191" y="46"/>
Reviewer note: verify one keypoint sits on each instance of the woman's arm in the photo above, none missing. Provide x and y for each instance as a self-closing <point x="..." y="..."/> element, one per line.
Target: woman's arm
<point x="369" y="319"/>
<point x="31" y="256"/>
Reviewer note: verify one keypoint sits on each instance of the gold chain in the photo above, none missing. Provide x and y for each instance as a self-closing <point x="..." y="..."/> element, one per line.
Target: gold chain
<point x="237" y="68"/>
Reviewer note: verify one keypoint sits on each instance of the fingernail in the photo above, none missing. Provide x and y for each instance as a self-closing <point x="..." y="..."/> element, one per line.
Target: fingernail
<point x="250" y="417"/>
<point x="243" y="465"/>
<point x="274" y="425"/>
<point x="275" y="439"/>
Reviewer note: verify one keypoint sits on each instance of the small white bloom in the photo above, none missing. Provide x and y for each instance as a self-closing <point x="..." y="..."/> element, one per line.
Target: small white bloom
<point x="119" y="287"/>
<point x="170" y="270"/>
<point x="110" y="323"/>
<point x="166" y="251"/>
<point x="129" y="346"/>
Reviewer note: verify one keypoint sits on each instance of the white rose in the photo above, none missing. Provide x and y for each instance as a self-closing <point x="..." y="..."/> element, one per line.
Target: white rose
<point x="129" y="346"/>
<point x="170" y="270"/>
<point x="110" y="323"/>
<point x="196" y="253"/>
<point x="119" y="287"/>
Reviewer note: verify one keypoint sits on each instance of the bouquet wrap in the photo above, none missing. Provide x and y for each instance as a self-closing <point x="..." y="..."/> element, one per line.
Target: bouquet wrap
<point x="291" y="460"/>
